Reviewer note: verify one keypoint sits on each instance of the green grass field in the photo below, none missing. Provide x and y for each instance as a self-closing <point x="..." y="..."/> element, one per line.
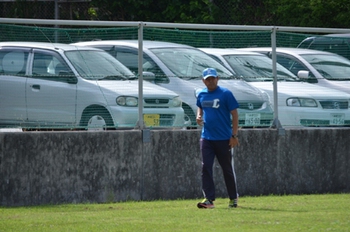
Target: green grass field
<point x="326" y="212"/>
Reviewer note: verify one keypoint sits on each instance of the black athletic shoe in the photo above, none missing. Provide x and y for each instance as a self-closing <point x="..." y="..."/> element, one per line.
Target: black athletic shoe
<point x="233" y="203"/>
<point x="206" y="204"/>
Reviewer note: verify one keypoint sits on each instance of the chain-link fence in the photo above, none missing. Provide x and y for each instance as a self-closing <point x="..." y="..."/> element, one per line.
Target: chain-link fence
<point x="196" y="38"/>
<point x="289" y="93"/>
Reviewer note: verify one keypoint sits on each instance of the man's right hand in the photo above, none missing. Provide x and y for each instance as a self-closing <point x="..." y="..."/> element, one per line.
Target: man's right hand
<point x="199" y="120"/>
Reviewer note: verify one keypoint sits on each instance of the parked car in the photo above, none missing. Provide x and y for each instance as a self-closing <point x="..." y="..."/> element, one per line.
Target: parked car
<point x="47" y="85"/>
<point x="320" y="68"/>
<point x="299" y="103"/>
<point x="335" y="43"/>
<point x="179" y="67"/>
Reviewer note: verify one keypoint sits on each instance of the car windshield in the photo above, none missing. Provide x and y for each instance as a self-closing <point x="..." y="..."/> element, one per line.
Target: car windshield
<point x="98" y="65"/>
<point x="188" y="63"/>
<point x="257" y="68"/>
<point x="331" y="67"/>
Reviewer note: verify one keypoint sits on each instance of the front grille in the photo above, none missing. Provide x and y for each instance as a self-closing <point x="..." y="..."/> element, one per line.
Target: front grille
<point x="334" y="104"/>
<point x="157" y="101"/>
<point x="250" y="105"/>
<point x="156" y="106"/>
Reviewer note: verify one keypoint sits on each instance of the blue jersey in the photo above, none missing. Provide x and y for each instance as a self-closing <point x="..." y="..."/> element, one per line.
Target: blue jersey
<point x="217" y="106"/>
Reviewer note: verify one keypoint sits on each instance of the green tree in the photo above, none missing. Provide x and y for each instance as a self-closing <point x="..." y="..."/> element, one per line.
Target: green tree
<point x="312" y="13"/>
<point x="240" y="12"/>
<point x="194" y="11"/>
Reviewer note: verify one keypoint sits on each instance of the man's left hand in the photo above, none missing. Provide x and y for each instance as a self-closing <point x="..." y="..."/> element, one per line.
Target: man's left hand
<point x="233" y="142"/>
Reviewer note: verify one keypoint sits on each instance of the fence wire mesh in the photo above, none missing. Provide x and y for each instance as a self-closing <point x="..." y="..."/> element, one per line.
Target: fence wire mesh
<point x="81" y="90"/>
<point x="196" y="38"/>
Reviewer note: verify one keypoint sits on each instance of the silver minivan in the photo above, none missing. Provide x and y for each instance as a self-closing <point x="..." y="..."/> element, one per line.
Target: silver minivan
<point x="299" y="103"/>
<point x="179" y="67"/>
<point x="49" y="85"/>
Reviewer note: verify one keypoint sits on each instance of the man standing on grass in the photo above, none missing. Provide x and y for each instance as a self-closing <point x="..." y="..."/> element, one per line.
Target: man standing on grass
<point x="217" y="111"/>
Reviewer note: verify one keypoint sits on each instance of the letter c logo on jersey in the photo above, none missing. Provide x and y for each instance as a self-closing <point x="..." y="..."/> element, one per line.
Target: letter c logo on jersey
<point x="216" y="103"/>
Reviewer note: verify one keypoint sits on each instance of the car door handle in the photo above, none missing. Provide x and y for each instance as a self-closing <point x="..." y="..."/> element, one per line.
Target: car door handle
<point x="35" y="86"/>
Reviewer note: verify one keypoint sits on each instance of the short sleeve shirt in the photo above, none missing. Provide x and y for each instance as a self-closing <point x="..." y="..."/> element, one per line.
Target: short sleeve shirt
<point x="217" y="106"/>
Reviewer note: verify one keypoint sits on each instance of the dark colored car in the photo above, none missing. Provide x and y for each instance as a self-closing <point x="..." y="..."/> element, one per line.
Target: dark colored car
<point x="335" y="43"/>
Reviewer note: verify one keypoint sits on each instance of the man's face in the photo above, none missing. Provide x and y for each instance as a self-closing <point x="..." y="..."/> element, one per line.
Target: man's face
<point x="211" y="83"/>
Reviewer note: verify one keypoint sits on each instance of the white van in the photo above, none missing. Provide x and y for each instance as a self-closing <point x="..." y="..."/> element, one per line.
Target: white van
<point x="47" y="85"/>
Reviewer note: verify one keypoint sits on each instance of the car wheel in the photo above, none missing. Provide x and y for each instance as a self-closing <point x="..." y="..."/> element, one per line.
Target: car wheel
<point x="96" y="119"/>
<point x="189" y="118"/>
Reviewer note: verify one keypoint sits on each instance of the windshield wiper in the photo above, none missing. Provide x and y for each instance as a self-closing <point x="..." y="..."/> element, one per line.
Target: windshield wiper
<point x="192" y="78"/>
<point x="114" y="77"/>
<point x="323" y="62"/>
<point x="339" y="79"/>
<point x="262" y="71"/>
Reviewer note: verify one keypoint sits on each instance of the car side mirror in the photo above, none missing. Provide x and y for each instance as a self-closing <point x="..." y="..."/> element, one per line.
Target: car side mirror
<point x="196" y="92"/>
<point x="72" y="79"/>
<point x="68" y="76"/>
<point x="302" y="74"/>
<point x="148" y="76"/>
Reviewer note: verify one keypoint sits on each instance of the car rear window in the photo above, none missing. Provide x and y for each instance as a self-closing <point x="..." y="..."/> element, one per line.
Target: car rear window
<point x="13" y="62"/>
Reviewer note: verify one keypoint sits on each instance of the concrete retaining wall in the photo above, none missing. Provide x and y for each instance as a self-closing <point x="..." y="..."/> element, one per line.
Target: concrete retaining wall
<point x="75" y="167"/>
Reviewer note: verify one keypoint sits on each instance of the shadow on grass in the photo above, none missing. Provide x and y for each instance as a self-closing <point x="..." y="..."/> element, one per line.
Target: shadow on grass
<point x="266" y="209"/>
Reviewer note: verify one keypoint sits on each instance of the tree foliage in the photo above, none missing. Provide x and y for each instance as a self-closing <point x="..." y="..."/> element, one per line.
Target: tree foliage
<point x="311" y="13"/>
<point x="177" y="11"/>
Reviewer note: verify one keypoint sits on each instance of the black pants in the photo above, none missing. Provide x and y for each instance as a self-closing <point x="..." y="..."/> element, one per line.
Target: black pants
<point x="222" y="151"/>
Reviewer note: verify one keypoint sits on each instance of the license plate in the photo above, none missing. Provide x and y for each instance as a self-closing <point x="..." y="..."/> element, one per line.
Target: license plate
<point x="252" y="119"/>
<point x="151" y="119"/>
<point x="337" y="119"/>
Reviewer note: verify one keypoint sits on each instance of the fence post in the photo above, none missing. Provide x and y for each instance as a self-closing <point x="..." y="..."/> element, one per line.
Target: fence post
<point x="276" y="123"/>
<point x="140" y="125"/>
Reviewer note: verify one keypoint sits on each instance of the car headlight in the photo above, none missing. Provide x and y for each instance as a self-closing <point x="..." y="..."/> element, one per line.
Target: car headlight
<point x="301" y="102"/>
<point x="266" y="97"/>
<point x="196" y="92"/>
<point x="127" y="101"/>
<point x="177" y="102"/>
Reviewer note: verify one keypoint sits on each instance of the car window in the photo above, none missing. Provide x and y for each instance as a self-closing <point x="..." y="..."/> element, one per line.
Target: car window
<point x="188" y="63"/>
<point x="292" y="65"/>
<point x="150" y="66"/>
<point x="98" y="65"/>
<point x="338" y="45"/>
<point x="50" y="66"/>
<point x="306" y="43"/>
<point x="340" y="48"/>
<point x="41" y="64"/>
<point x="216" y="58"/>
<point x="130" y="59"/>
<point x="257" y="68"/>
<point x="126" y="56"/>
<point x="332" y="67"/>
<point x="13" y="62"/>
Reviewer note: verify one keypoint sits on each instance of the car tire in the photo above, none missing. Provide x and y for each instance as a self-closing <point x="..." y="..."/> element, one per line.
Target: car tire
<point x="96" y="118"/>
<point x="190" y="117"/>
